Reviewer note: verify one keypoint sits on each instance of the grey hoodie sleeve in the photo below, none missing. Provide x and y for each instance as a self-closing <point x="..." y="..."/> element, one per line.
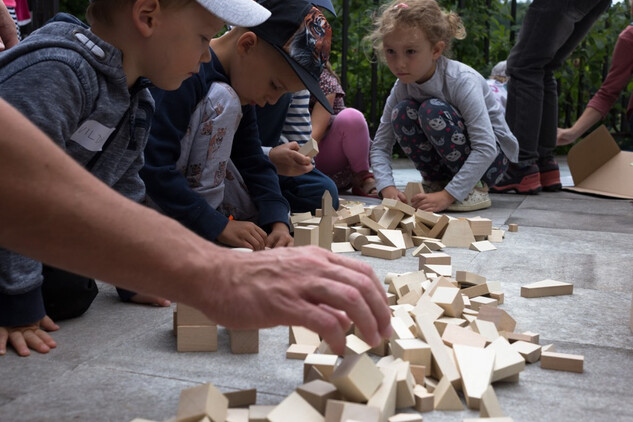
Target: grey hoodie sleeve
<point x="381" y="148"/>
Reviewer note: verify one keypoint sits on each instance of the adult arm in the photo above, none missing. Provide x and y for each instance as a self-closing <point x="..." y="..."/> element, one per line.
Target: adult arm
<point x="8" y="31"/>
<point x="99" y="233"/>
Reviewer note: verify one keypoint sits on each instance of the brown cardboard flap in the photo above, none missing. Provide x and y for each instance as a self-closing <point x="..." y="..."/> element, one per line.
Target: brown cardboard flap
<point x="598" y="166"/>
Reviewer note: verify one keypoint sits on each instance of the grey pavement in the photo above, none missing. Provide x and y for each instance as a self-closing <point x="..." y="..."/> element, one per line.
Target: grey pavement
<point x="118" y="361"/>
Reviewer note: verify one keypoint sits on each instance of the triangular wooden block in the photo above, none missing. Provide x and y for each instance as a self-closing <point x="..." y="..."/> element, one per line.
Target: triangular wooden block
<point x="392" y="238"/>
<point x="423" y="248"/>
<point x="476" y="367"/>
<point x="458" y="234"/>
<point x="508" y="362"/>
<point x="446" y="397"/>
<point x="412" y="189"/>
<point x="482" y="246"/>
<point x="490" y="407"/>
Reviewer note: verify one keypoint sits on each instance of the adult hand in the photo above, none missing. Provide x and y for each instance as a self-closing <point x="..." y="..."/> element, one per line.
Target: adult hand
<point x="29" y="337"/>
<point x="289" y="161"/>
<point x="305" y="286"/>
<point x="392" y="192"/>
<point x="243" y="234"/>
<point x="565" y="136"/>
<point x="8" y="31"/>
<point x="432" y="202"/>
<point x="279" y="236"/>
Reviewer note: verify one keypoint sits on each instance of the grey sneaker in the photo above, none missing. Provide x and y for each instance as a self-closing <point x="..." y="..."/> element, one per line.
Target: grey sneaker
<point x="478" y="199"/>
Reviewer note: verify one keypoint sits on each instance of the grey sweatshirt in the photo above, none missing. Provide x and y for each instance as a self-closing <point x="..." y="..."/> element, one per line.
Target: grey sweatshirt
<point x="71" y="84"/>
<point x="464" y="88"/>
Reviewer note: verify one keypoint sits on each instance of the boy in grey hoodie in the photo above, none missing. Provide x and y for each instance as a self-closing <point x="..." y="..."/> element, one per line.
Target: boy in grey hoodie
<point x="86" y="88"/>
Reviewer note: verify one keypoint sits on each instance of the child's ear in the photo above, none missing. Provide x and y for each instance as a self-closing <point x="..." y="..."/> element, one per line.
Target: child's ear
<point x="438" y="49"/>
<point x="144" y="15"/>
<point x="247" y="41"/>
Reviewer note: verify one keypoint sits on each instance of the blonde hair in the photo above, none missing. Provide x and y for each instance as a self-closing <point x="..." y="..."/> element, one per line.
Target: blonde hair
<point x="102" y="11"/>
<point x="425" y="15"/>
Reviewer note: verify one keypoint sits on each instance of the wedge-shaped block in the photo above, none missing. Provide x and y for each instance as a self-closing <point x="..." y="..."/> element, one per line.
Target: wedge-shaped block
<point x="294" y="408"/>
<point x="446" y="397"/>
<point x="204" y="400"/>
<point x="342" y="411"/>
<point x="454" y="335"/>
<point x="531" y="352"/>
<point x="490" y="407"/>
<point x="317" y="393"/>
<point x="414" y="351"/>
<point x="385" y="397"/>
<point x="476" y="366"/>
<point x="381" y="251"/>
<point x="562" y="361"/>
<point x="508" y="361"/>
<point x="450" y="300"/>
<point x="547" y="288"/>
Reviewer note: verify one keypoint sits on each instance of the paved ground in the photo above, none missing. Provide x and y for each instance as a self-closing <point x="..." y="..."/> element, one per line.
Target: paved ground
<point x="118" y="361"/>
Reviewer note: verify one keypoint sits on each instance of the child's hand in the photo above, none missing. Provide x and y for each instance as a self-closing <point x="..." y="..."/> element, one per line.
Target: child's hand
<point x="29" y="337"/>
<point x="279" y="236"/>
<point x="432" y="202"/>
<point x="289" y="161"/>
<point x="243" y="234"/>
<point x="392" y="192"/>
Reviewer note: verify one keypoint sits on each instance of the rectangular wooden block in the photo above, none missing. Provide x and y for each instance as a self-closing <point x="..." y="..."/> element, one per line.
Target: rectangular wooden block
<point x="244" y="341"/>
<point x="434" y="258"/>
<point x="188" y="315"/>
<point x="342" y="247"/>
<point x="562" y="361"/>
<point x="306" y="235"/>
<point x="197" y="338"/>
<point x="547" y="288"/>
<point x="310" y="148"/>
<point x="381" y="251"/>
<point x="299" y="351"/>
<point x="480" y="226"/>
<point x="241" y="397"/>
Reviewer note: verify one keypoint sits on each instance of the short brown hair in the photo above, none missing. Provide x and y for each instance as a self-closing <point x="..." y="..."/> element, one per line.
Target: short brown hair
<point x="102" y="10"/>
<point x="426" y="15"/>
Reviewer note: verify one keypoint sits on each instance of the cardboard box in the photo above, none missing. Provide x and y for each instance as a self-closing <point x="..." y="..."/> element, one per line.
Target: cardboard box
<point x="598" y="166"/>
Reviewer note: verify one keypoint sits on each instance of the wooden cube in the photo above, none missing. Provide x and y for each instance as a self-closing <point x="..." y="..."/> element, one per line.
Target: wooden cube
<point x="244" y="341"/>
<point x="204" y="400"/>
<point x="197" y="338"/>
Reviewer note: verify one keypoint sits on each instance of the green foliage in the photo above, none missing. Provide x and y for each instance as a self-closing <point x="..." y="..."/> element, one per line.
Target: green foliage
<point x="74" y="7"/>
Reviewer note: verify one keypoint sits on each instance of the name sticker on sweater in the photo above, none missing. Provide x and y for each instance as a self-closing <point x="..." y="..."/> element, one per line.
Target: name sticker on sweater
<point x="92" y="135"/>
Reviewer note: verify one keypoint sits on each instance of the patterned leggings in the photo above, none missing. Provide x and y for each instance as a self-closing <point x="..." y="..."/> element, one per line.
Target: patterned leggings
<point x="434" y="137"/>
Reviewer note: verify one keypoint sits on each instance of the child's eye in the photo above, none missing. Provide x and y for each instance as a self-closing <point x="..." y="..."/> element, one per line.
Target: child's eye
<point x="411" y="51"/>
<point x="389" y="51"/>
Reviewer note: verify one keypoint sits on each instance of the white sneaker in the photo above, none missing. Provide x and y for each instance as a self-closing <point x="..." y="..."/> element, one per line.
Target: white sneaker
<point x="478" y="199"/>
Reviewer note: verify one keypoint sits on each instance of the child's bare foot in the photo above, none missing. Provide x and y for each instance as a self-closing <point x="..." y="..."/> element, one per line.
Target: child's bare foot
<point x="150" y="300"/>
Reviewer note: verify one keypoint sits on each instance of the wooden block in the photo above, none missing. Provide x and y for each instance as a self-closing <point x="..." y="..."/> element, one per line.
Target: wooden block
<point x="476" y="290"/>
<point x="443" y="270"/>
<point x="355" y="346"/>
<point x="341" y="411"/>
<point x="480" y="226"/>
<point x="413" y="350"/>
<point x="381" y="251"/>
<point x="458" y="234"/>
<point x="419" y="372"/>
<point x="508" y="362"/>
<point x="430" y="384"/>
<point x="531" y="352"/>
<point x="405" y="384"/>
<point x="487" y="329"/>
<point x="446" y="397"/>
<point x="310" y="148"/>
<point x="244" y="341"/>
<point x="547" y="288"/>
<point x="342" y="247"/>
<point x="434" y="258"/>
<point x="358" y="240"/>
<point x="392" y="238"/>
<point x="241" y="397"/>
<point x="384" y="399"/>
<point x="479" y="301"/>
<point x="548" y="348"/>
<point x="188" y="315"/>
<point x="454" y="335"/>
<point x="466" y="277"/>
<point x="528" y="336"/>
<point x="197" y="338"/>
<point x="325" y="364"/>
<point x="395" y="204"/>
<point x="496" y="236"/>
<point x="259" y="413"/>
<point x="439" y="227"/>
<point x="426" y="308"/>
<point x="424" y="399"/>
<point x="357" y="377"/>
<point x="443" y="322"/>
<point x="490" y="407"/>
<point x="412" y="189"/>
<point x="405" y="417"/>
<point x="504" y="419"/>
<point x="502" y="320"/>
<point x="317" y="393"/>
<point x="310" y="222"/>
<point x="476" y="366"/>
<point x="443" y="364"/>
<point x="421" y="249"/>
<point x="482" y="246"/>
<point x="428" y="218"/>
<point x="306" y="235"/>
<point x="237" y="415"/>
<point x="368" y="222"/>
<point x="513" y="228"/>
<point x="341" y="234"/>
<point x="498" y="296"/>
<point x="302" y="335"/>
<point x="390" y="219"/>
<point x="294" y="408"/>
<point x="449" y="299"/>
<point x="562" y="361"/>
<point x="631" y="321"/>
<point x="299" y="351"/>
<point x="301" y="216"/>
<point x="203" y="400"/>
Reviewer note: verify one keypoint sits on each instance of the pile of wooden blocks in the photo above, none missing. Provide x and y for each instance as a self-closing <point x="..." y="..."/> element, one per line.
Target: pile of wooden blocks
<point x="388" y="230"/>
<point x="197" y="333"/>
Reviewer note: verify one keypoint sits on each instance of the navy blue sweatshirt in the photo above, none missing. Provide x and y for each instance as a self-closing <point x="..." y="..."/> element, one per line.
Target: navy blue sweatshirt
<point x="168" y="187"/>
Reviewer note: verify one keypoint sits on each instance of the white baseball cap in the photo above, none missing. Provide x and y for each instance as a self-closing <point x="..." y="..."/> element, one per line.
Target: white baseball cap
<point x="244" y="13"/>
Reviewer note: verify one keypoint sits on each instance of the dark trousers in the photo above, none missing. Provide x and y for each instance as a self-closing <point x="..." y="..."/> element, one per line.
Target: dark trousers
<point x="304" y="192"/>
<point x="66" y="295"/>
<point x="551" y="30"/>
